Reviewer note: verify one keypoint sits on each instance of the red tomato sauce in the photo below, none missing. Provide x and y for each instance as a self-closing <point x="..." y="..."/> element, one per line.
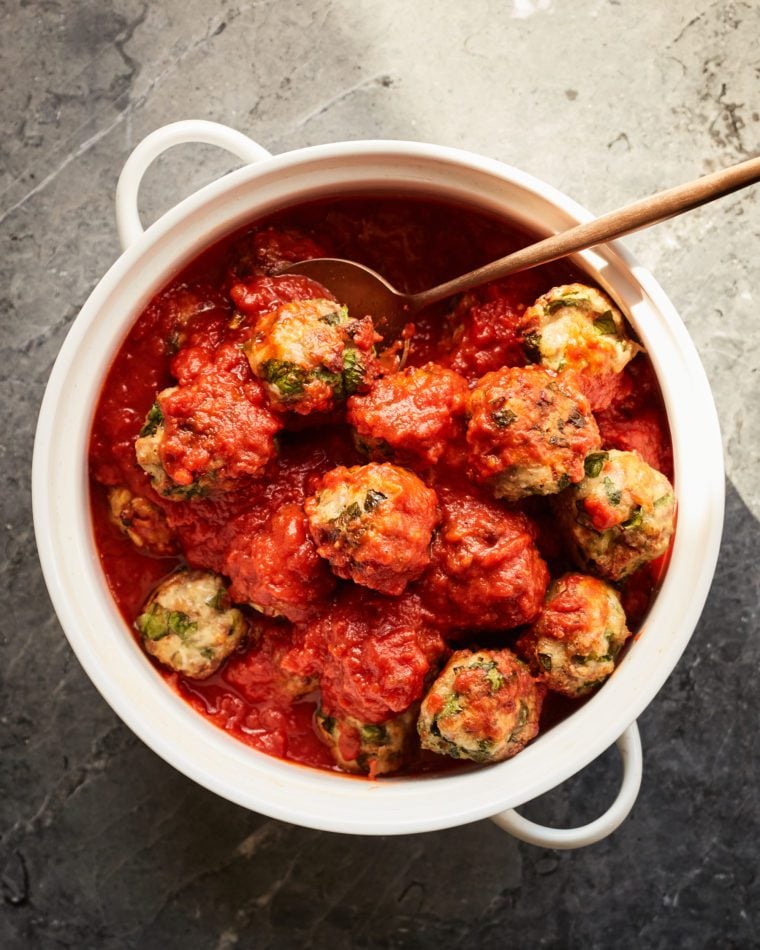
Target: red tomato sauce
<point x="210" y="308"/>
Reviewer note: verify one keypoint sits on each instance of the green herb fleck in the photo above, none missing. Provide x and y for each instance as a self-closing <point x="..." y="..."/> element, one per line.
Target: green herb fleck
<point x="373" y="499"/>
<point x="220" y="601"/>
<point x="614" y="495"/>
<point x="605" y="324"/>
<point x="503" y="417"/>
<point x="532" y="346"/>
<point x="328" y="723"/>
<point x="180" y="624"/>
<point x="332" y="318"/>
<point x="350" y="513"/>
<point x="491" y="669"/>
<point x="563" y="302"/>
<point x="563" y="481"/>
<point x="207" y="653"/>
<point x="451" y="706"/>
<point x="663" y="500"/>
<point x="153" y="420"/>
<point x="635" y="519"/>
<point x="287" y="377"/>
<point x="594" y="463"/>
<point x="152" y="624"/>
<point x="353" y="371"/>
<point x="374" y="734"/>
<point x="577" y="419"/>
<point x="545" y="661"/>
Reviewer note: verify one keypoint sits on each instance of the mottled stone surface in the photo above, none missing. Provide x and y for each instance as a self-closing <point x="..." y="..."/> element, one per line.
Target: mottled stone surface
<point x="103" y="845"/>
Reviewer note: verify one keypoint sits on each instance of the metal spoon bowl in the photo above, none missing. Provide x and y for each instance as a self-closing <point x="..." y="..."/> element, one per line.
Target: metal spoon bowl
<point x="364" y="291"/>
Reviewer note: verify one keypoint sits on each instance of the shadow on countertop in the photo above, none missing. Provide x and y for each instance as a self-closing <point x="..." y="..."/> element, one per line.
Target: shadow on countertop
<point x="105" y="845"/>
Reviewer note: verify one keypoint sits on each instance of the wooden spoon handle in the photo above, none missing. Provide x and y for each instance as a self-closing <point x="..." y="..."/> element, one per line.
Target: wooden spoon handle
<point x="613" y="225"/>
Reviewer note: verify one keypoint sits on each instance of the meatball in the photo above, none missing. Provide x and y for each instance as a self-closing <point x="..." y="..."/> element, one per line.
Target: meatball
<point x="191" y="313"/>
<point x="368" y="747"/>
<point x="141" y="521"/>
<point x="311" y="355"/>
<point x="486" y="572"/>
<point x="620" y="516"/>
<point x="374" y="655"/>
<point x="579" y="633"/>
<point x="578" y="328"/>
<point x="259" y="675"/>
<point x="277" y="570"/>
<point x="484" y="706"/>
<point x="529" y="432"/>
<point x="267" y="251"/>
<point x="209" y="431"/>
<point x="189" y="625"/>
<point x="412" y="415"/>
<point x="373" y="523"/>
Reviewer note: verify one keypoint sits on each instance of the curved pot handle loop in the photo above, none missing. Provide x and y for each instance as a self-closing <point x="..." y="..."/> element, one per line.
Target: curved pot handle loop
<point x="177" y="133"/>
<point x="629" y="746"/>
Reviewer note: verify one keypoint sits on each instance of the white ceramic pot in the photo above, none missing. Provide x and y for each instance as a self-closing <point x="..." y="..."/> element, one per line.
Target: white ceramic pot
<point x="107" y="649"/>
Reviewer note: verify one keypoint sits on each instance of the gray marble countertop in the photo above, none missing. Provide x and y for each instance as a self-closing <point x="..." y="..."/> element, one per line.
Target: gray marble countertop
<point x="103" y="844"/>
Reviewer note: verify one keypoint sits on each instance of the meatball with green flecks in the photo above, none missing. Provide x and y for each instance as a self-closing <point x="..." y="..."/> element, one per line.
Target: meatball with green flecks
<point x="573" y="644"/>
<point x="413" y="415"/>
<point x="141" y="521"/>
<point x="369" y="748"/>
<point x="484" y="706"/>
<point x="529" y="432"/>
<point x="189" y="624"/>
<point x="579" y="329"/>
<point x="311" y="355"/>
<point x="209" y="431"/>
<point x="373" y="523"/>
<point x="620" y="516"/>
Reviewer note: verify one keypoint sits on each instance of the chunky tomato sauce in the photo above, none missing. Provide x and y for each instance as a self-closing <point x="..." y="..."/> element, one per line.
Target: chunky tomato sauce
<point x="363" y="651"/>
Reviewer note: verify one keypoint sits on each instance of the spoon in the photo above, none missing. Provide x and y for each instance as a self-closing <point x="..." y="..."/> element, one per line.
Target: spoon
<point x="364" y="291"/>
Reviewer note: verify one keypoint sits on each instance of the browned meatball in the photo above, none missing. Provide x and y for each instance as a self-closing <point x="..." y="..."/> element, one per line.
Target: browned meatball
<point x="277" y="570"/>
<point x="211" y="430"/>
<point x="577" y="329"/>
<point x="486" y="572"/>
<point x="311" y="355"/>
<point x="529" y="432"/>
<point x="620" y="516"/>
<point x="141" y="521"/>
<point x="368" y="747"/>
<point x="579" y="633"/>
<point x="373" y="523"/>
<point x="412" y="415"/>
<point x="484" y="706"/>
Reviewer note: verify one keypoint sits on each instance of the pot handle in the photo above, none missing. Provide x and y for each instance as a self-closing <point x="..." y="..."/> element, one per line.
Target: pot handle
<point x="177" y="133"/>
<point x="629" y="746"/>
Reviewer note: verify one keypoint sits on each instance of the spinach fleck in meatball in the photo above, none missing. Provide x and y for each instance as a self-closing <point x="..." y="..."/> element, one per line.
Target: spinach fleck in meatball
<point x="311" y="355"/>
<point x="373" y="523"/>
<point x="208" y="432"/>
<point x="529" y="432"/>
<point x="578" y="328"/>
<point x="141" y="521"/>
<point x="573" y="644"/>
<point x="368" y="747"/>
<point x="484" y="706"/>
<point x="620" y="516"/>
<point x="413" y="415"/>
<point x="189" y="624"/>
